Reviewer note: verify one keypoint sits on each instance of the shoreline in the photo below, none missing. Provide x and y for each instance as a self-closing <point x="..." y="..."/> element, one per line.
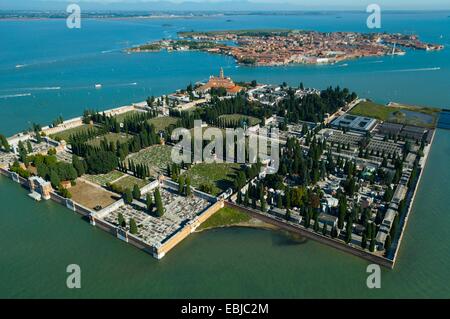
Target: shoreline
<point x="252" y="223"/>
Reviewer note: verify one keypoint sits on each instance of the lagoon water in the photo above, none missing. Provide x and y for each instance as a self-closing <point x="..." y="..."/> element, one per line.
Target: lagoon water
<point x="47" y="70"/>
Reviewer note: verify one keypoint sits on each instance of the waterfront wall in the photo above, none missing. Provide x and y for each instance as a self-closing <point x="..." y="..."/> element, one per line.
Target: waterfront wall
<point x="72" y="123"/>
<point x="424" y="161"/>
<point x="189" y="228"/>
<point x="380" y="260"/>
<point x="78" y="121"/>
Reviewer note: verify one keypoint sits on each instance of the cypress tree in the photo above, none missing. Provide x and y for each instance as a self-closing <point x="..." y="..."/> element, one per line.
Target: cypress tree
<point x="158" y="202"/>
<point x="181" y="185"/>
<point x="246" y="198"/>
<point x="239" y="197"/>
<point x="279" y="201"/>
<point x="364" y="241"/>
<point x="324" y="229"/>
<point x="316" y="223"/>
<point x="334" y="232"/>
<point x="387" y="243"/>
<point x="188" y="186"/>
<point x="29" y="147"/>
<point x="136" y="192"/>
<point x="253" y="203"/>
<point x="121" y="220"/>
<point x="372" y="245"/>
<point x="149" y="201"/>
<point x="133" y="226"/>
<point x="128" y="196"/>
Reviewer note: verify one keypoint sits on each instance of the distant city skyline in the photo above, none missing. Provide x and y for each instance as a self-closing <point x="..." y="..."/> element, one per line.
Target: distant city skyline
<point x="224" y="5"/>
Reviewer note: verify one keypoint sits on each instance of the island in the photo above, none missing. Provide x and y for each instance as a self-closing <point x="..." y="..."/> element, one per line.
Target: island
<point x="348" y="175"/>
<point x="282" y="47"/>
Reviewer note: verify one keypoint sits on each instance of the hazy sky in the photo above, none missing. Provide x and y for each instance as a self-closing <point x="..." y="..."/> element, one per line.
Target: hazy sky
<point x="246" y="4"/>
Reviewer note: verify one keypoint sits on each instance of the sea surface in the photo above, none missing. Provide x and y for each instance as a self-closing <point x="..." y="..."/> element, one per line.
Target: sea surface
<point x="47" y="70"/>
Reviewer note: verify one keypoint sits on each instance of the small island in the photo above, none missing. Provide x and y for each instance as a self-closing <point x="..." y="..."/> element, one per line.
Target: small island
<point x="348" y="175"/>
<point x="282" y="47"/>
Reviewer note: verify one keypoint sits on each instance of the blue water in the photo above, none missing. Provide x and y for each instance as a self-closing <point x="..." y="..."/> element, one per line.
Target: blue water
<point x="61" y="65"/>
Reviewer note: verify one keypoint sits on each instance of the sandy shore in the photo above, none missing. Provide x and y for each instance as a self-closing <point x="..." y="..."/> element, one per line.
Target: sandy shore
<point x="252" y="223"/>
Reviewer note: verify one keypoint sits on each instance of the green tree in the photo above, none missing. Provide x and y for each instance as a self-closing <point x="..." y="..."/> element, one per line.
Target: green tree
<point x="239" y="197"/>
<point x="364" y="241"/>
<point x="136" y="192"/>
<point x="64" y="192"/>
<point x="181" y="185"/>
<point x="101" y="162"/>
<point x="149" y="202"/>
<point x="246" y="199"/>
<point x="254" y="203"/>
<point x="324" y="229"/>
<point x="279" y="201"/>
<point x="334" y="232"/>
<point x="188" y="186"/>
<point x="121" y="220"/>
<point x="372" y="245"/>
<point x="158" y="202"/>
<point x="29" y="147"/>
<point x="54" y="179"/>
<point x="387" y="243"/>
<point x="128" y="196"/>
<point x="4" y="143"/>
<point x="316" y="224"/>
<point x="133" y="226"/>
<point x="78" y="165"/>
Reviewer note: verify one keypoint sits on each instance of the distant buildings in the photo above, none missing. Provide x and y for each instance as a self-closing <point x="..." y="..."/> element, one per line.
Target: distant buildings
<point x="353" y="122"/>
<point x="220" y="82"/>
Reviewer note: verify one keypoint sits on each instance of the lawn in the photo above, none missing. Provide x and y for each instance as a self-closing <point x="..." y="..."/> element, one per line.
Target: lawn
<point x="110" y="137"/>
<point x="397" y="113"/>
<point x="91" y="196"/>
<point x="219" y="175"/>
<point x="103" y="179"/>
<point x="129" y="182"/>
<point x="122" y="116"/>
<point x="236" y="117"/>
<point x="64" y="135"/>
<point x="156" y="157"/>
<point x="162" y="122"/>
<point x="225" y="217"/>
<point x="372" y="109"/>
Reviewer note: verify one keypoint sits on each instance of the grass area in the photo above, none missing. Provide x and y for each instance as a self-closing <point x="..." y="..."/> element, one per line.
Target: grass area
<point x="372" y="109"/>
<point x="398" y="113"/>
<point x="110" y="137"/>
<point x="219" y="175"/>
<point x="64" y="135"/>
<point x="236" y="117"/>
<point x="163" y="122"/>
<point x="103" y="179"/>
<point x="91" y="196"/>
<point x="129" y="181"/>
<point x="122" y="116"/>
<point x="156" y="157"/>
<point x="225" y="217"/>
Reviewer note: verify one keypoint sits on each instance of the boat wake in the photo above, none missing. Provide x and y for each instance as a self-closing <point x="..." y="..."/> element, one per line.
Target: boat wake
<point x="415" y="70"/>
<point x="9" y="96"/>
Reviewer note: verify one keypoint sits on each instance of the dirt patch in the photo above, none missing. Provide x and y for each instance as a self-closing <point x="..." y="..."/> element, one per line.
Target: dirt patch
<point x="91" y="196"/>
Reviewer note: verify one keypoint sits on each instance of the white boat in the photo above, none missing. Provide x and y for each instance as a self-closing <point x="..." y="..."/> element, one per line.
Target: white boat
<point x="98" y="86"/>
